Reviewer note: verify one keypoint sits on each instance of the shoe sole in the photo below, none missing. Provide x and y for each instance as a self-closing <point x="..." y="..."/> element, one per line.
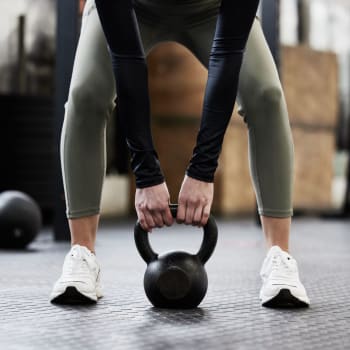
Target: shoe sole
<point x="285" y="299"/>
<point x="72" y="296"/>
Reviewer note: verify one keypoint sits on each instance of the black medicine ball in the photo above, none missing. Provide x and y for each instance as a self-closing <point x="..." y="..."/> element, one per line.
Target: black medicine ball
<point x="20" y="220"/>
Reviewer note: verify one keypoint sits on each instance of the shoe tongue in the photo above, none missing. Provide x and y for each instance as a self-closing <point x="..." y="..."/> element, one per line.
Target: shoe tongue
<point x="275" y="250"/>
<point x="79" y="251"/>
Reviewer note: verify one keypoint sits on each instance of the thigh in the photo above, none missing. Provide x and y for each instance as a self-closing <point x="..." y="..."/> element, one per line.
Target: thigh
<point x="199" y="39"/>
<point x="92" y="69"/>
<point x="150" y="35"/>
<point x="258" y="71"/>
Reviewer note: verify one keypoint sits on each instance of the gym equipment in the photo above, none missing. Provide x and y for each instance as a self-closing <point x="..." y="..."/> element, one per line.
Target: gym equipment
<point x="176" y="279"/>
<point x="20" y="220"/>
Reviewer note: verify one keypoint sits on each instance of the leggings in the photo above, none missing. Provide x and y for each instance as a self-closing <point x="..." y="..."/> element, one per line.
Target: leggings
<point x="92" y="93"/>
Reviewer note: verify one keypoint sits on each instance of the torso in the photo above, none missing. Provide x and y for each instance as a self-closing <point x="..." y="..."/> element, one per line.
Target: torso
<point x="178" y="6"/>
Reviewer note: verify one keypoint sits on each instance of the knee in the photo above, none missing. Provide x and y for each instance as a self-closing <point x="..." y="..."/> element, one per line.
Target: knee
<point x="87" y="105"/>
<point x="266" y="104"/>
<point x="270" y="97"/>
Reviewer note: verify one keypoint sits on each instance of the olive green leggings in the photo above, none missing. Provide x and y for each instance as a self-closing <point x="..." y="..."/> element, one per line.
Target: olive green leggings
<point x="91" y="101"/>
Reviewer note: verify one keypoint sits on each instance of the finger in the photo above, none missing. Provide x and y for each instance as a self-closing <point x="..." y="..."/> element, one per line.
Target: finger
<point x="205" y="215"/>
<point x="189" y="214"/>
<point x="149" y="221"/>
<point x="142" y="221"/>
<point x="181" y="212"/>
<point x="157" y="218"/>
<point x="167" y="216"/>
<point x="197" y="216"/>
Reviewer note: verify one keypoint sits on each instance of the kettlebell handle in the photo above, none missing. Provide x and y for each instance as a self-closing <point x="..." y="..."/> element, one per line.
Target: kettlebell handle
<point x="210" y="236"/>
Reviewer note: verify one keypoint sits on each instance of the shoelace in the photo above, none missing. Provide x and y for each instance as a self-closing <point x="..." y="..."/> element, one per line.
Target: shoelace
<point x="79" y="263"/>
<point x="282" y="266"/>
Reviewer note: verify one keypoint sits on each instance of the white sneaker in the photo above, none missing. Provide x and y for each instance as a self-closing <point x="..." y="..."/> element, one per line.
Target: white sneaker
<point x="281" y="284"/>
<point x="80" y="279"/>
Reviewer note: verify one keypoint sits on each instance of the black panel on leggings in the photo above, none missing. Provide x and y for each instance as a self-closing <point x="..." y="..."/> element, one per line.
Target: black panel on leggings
<point x="121" y="29"/>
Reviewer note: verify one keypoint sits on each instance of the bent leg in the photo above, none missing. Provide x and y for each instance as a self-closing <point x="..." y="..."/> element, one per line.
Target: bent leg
<point x="90" y="102"/>
<point x="271" y="152"/>
<point x="261" y="97"/>
<point x="271" y="163"/>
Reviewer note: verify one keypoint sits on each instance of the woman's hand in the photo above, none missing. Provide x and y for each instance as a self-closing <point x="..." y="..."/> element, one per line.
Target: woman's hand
<point x="195" y="200"/>
<point x="152" y="207"/>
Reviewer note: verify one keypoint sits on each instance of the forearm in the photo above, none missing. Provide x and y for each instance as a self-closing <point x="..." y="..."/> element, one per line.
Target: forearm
<point x="234" y="22"/>
<point x="129" y="65"/>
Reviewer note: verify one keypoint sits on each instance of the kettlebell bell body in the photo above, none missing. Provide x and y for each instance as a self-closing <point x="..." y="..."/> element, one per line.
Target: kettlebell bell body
<point x="176" y="279"/>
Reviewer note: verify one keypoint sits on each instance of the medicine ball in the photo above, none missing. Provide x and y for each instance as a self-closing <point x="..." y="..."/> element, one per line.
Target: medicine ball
<point x="20" y="220"/>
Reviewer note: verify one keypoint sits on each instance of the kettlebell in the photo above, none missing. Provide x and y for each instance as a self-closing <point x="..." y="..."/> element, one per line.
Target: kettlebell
<point x="176" y="279"/>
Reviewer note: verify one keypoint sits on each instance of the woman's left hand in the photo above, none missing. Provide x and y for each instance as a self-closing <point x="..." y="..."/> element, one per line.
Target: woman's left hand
<point x="195" y="200"/>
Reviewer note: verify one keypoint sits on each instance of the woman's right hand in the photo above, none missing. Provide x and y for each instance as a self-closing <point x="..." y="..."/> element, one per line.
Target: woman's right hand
<point x="152" y="207"/>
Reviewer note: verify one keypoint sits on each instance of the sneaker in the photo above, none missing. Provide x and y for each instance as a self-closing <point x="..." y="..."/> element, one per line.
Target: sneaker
<point x="281" y="284"/>
<point x="80" y="279"/>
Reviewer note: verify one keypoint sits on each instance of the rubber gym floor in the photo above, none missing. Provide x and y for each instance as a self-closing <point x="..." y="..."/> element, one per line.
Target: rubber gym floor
<point x="230" y="317"/>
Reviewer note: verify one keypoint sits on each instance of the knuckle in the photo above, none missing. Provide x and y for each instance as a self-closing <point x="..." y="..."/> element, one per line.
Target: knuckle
<point x="192" y="200"/>
<point x="182" y="199"/>
<point x="138" y="206"/>
<point x="163" y="207"/>
<point x="142" y="207"/>
<point x="197" y="202"/>
<point x="148" y="207"/>
<point x="151" y="207"/>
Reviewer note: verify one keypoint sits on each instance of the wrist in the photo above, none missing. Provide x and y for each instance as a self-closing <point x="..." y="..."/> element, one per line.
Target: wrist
<point x="200" y="177"/>
<point x="149" y="182"/>
<point x="146" y="168"/>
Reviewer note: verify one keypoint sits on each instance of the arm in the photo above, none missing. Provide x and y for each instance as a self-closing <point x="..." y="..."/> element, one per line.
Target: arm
<point x="130" y="70"/>
<point x="233" y="26"/>
<point x="129" y="65"/>
<point x="232" y="30"/>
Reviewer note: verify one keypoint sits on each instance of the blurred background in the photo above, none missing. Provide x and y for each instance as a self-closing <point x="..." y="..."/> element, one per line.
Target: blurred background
<point x="310" y="42"/>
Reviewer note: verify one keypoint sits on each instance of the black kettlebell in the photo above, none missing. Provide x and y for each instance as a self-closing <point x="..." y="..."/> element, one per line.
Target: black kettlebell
<point x="176" y="279"/>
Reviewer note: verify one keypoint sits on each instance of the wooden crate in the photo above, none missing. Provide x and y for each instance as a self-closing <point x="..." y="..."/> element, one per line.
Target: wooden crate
<point x="310" y="82"/>
<point x="176" y="81"/>
<point x="234" y="190"/>
<point x="314" y="154"/>
<point x="175" y="139"/>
